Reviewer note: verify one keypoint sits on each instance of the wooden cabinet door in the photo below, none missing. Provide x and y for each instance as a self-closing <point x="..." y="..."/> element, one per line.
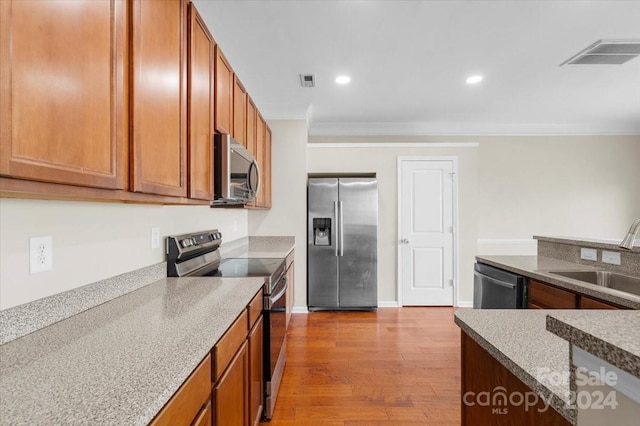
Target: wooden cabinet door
<point x="231" y="394"/>
<point x="589" y="303"/>
<point x="186" y="404"/>
<point x="549" y="297"/>
<point x="256" y="390"/>
<point x="260" y="148"/>
<point x="224" y="94"/>
<point x="63" y="105"/>
<point x="159" y="116"/>
<point x="201" y="102"/>
<point x="239" y="111"/>
<point x="267" y="167"/>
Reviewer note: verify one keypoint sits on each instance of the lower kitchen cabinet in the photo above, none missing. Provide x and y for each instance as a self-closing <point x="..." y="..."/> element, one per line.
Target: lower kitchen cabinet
<point x="256" y="373"/>
<point x="547" y="296"/>
<point x="544" y="296"/>
<point x="231" y="393"/>
<point x="227" y="387"/>
<point x="481" y="372"/>
<point x="589" y="303"/>
<point x="188" y="402"/>
<point x="204" y="419"/>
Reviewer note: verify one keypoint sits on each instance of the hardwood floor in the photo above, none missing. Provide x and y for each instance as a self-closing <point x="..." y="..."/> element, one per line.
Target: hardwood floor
<point x="391" y="367"/>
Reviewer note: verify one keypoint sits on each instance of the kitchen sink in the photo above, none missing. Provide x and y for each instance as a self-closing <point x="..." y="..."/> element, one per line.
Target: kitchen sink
<point x="612" y="280"/>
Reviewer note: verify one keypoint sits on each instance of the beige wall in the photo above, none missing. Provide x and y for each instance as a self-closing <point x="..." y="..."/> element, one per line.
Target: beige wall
<point x="92" y="241"/>
<point x="568" y="186"/>
<point x="288" y="216"/>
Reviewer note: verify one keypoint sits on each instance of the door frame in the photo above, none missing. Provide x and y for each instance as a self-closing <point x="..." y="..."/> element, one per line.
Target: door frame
<point x="454" y="160"/>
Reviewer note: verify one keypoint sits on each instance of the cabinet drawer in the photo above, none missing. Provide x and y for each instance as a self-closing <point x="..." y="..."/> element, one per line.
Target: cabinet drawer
<point x="205" y="416"/>
<point x="550" y="297"/>
<point x="255" y="308"/>
<point x="229" y="343"/>
<point x="185" y="404"/>
<point x="589" y="303"/>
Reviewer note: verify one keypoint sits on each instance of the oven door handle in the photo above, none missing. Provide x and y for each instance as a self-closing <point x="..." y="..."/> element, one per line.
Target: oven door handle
<point x="273" y="299"/>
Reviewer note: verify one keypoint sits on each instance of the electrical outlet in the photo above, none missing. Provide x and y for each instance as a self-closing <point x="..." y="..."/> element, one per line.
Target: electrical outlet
<point x="155" y="238"/>
<point x="612" y="257"/>
<point x="589" y="254"/>
<point x="40" y="254"/>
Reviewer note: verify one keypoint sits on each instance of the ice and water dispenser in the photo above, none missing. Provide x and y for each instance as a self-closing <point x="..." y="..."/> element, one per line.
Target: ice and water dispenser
<point x="322" y="231"/>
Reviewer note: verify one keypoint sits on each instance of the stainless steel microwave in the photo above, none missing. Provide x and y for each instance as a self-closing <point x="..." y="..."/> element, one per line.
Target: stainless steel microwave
<point x="236" y="172"/>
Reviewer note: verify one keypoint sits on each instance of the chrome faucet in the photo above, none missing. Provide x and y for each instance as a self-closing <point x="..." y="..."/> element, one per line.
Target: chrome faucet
<point x="631" y="236"/>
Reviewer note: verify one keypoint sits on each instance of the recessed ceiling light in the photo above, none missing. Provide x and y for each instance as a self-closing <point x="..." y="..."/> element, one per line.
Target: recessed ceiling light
<point x="343" y="79"/>
<point x="474" y="79"/>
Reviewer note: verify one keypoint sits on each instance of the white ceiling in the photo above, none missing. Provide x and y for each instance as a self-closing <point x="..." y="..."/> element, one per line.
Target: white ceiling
<point x="408" y="61"/>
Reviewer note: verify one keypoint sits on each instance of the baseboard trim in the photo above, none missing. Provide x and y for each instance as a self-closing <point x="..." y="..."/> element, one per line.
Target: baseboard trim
<point x="300" y="310"/>
<point x="388" y="304"/>
<point x="465" y="304"/>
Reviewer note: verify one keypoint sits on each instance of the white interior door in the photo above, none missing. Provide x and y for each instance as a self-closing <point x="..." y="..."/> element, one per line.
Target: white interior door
<point x="426" y="232"/>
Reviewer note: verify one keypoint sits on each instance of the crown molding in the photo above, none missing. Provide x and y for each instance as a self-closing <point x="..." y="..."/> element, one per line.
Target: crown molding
<point x="465" y="129"/>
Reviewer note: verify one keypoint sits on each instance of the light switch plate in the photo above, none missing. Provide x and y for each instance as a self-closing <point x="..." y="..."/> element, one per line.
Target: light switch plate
<point x="589" y="254"/>
<point x="155" y="238"/>
<point x="612" y="257"/>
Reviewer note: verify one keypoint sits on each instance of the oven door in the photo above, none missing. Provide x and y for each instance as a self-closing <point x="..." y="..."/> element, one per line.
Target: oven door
<point x="275" y="343"/>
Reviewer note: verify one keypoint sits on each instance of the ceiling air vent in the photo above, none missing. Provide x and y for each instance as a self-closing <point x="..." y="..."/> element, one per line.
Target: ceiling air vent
<point x="307" y="80"/>
<point x="606" y="52"/>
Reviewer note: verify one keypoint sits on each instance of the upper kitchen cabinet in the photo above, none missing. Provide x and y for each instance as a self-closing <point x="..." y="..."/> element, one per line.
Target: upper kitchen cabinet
<point x="63" y="107"/>
<point x="201" y="102"/>
<point x="224" y="93"/>
<point x="159" y="101"/>
<point x="259" y="154"/>
<point x="239" y="111"/>
<point x="267" y="166"/>
<point x="251" y="132"/>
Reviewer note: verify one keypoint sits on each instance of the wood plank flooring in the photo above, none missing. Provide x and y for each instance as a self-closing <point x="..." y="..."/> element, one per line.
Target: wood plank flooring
<point x="391" y="367"/>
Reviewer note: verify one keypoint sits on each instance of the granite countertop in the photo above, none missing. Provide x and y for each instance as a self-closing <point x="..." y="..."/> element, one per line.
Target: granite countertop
<point x="602" y="244"/>
<point x="258" y="247"/>
<point x="518" y="339"/>
<point x="119" y="362"/>
<point x="536" y="267"/>
<point x="610" y="335"/>
<point x="534" y="344"/>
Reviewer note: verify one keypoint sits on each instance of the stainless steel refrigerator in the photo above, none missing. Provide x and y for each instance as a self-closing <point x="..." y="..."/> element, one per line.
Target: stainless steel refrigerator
<point x="342" y="221"/>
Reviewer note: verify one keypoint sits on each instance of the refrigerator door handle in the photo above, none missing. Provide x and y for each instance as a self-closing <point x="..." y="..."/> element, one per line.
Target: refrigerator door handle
<point x="341" y="228"/>
<point x="335" y="215"/>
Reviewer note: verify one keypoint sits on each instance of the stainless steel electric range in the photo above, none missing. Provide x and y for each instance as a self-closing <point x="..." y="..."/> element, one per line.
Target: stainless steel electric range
<point x="197" y="255"/>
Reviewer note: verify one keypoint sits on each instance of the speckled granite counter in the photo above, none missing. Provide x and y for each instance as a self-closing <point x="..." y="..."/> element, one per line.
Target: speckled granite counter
<point x="537" y="266"/>
<point x="612" y="336"/>
<point x="258" y="247"/>
<point x="120" y="362"/>
<point x="518" y="339"/>
<point x="535" y="344"/>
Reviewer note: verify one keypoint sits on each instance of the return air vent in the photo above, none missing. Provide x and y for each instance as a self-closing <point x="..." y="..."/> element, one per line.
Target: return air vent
<point x="606" y="52"/>
<point x="307" y="80"/>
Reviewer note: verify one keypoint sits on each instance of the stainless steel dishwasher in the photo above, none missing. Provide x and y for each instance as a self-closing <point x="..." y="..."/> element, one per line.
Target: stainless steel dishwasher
<point x="495" y="288"/>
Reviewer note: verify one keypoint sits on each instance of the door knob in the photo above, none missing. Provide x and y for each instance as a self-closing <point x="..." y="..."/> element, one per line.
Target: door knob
<point x="404" y="241"/>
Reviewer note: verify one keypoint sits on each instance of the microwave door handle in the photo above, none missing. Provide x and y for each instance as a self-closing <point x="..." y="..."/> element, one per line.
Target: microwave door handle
<point x="254" y="164"/>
